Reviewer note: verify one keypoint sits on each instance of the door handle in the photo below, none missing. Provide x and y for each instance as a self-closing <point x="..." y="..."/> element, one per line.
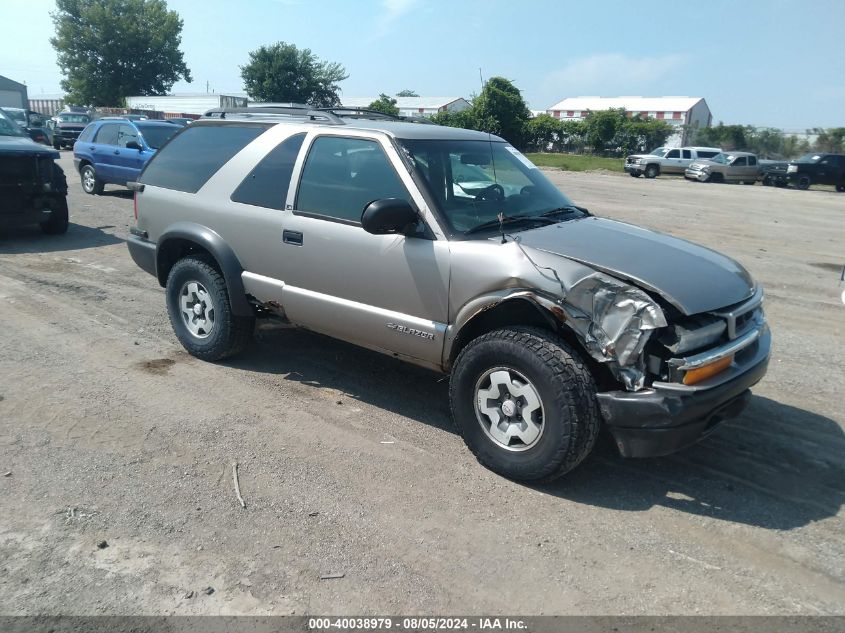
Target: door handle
<point x="292" y="237"/>
<point x="117" y="151"/>
<point x="92" y="148"/>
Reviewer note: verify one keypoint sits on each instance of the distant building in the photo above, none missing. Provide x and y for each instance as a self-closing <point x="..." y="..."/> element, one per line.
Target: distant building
<point x="47" y="104"/>
<point x="413" y="106"/>
<point x="676" y="111"/>
<point x="12" y="94"/>
<point x="187" y="103"/>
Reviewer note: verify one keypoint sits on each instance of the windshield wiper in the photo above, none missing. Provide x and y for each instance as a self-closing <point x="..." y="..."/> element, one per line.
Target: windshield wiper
<point x="495" y="222"/>
<point x="567" y="209"/>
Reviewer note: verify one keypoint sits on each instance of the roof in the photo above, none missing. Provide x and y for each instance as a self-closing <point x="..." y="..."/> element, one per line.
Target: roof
<point x="427" y="103"/>
<point x="632" y="104"/>
<point x="397" y="129"/>
<point x="11" y="83"/>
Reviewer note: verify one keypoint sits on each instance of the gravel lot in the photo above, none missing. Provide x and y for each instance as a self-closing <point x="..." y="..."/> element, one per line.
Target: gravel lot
<point x="349" y="465"/>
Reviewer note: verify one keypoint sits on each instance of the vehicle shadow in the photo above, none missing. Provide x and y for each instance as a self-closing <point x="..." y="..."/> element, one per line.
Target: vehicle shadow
<point x="776" y="467"/>
<point x="369" y="377"/>
<point x="117" y="193"/>
<point x="30" y="239"/>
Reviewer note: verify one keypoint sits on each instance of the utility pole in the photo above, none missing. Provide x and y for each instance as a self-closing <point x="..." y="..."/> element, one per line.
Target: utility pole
<point x="206" y="86"/>
<point x="481" y="79"/>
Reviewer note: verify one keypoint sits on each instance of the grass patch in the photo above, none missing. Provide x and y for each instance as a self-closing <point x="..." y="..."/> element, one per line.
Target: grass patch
<point x="577" y="162"/>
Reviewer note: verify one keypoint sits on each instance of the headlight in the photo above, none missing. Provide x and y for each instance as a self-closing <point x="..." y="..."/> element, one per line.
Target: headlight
<point x="639" y="161"/>
<point x="792" y="169"/>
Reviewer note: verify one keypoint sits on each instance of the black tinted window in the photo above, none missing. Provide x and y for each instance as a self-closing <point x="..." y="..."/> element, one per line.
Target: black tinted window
<point x="107" y="135"/>
<point x="342" y="175"/>
<point x="740" y="162"/>
<point x="267" y="184"/>
<point x="752" y="160"/>
<point x="191" y="158"/>
<point x="87" y="133"/>
<point x="673" y="154"/>
<point x="687" y="153"/>
<point x="706" y="153"/>
<point x="127" y="134"/>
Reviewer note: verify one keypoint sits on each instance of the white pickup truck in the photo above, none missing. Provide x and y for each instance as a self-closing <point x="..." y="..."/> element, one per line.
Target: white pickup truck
<point x="666" y="160"/>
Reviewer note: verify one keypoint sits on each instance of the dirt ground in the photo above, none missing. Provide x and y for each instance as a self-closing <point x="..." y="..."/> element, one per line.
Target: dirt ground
<point x="348" y="463"/>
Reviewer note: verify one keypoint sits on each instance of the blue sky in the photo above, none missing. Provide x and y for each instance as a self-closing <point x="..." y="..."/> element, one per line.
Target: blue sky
<point x="762" y="62"/>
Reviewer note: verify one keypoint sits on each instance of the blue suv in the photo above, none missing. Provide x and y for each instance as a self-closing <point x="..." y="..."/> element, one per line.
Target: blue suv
<point x="115" y="150"/>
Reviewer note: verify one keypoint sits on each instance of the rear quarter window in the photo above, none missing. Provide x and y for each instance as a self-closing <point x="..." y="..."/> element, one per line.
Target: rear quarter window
<point x="196" y="153"/>
<point x="706" y="154"/>
<point x="267" y="184"/>
<point x="87" y="133"/>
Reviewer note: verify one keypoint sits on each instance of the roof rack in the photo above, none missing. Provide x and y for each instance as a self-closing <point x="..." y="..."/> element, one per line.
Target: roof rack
<point x="292" y="112"/>
<point x="331" y="116"/>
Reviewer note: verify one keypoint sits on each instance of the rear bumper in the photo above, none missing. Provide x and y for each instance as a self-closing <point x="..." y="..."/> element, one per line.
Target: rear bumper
<point x="143" y="253"/>
<point x="26" y="217"/>
<point x="667" y="418"/>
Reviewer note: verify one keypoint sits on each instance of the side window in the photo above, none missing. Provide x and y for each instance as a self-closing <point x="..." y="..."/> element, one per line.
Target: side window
<point x="740" y="162"/>
<point x="107" y="135"/>
<point x="706" y="154"/>
<point x="87" y="133"/>
<point x="752" y="160"/>
<point x="125" y="134"/>
<point x="195" y="154"/>
<point x="687" y="153"/>
<point x="342" y="175"/>
<point x="674" y="153"/>
<point x="267" y="184"/>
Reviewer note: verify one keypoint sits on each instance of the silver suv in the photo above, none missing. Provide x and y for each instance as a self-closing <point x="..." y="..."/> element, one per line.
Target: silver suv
<point x="449" y="249"/>
<point x="666" y="160"/>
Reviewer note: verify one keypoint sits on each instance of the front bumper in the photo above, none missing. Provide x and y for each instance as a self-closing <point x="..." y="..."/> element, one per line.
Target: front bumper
<point x="634" y="168"/>
<point x="669" y="416"/>
<point x="700" y="176"/>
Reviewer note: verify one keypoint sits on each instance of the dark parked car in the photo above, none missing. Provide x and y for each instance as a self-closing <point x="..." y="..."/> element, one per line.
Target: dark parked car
<point x="31" y="122"/>
<point x="33" y="188"/>
<point x="181" y="121"/>
<point x="773" y="173"/>
<point x="114" y="150"/>
<point x="66" y="128"/>
<point x="817" y="169"/>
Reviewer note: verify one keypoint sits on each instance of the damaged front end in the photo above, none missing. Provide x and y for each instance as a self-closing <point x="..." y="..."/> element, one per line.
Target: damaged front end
<point x="614" y="321"/>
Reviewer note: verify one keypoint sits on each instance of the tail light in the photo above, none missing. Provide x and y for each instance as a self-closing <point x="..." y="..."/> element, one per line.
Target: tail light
<point x="135" y="205"/>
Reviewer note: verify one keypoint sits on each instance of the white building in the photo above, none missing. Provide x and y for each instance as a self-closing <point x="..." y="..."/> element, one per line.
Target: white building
<point x="187" y="103"/>
<point x="413" y="106"/>
<point x="676" y="111"/>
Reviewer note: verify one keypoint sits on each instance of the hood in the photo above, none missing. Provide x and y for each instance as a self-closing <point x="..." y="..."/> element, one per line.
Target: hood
<point x="24" y="145"/>
<point x="642" y="156"/>
<point x="692" y="278"/>
<point x="71" y="125"/>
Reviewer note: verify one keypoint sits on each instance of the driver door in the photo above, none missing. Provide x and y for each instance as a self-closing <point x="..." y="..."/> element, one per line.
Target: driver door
<point x="386" y="292"/>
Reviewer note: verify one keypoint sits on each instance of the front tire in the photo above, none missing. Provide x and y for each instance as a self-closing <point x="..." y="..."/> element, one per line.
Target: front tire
<point x="652" y="171"/>
<point x="635" y="174"/>
<point x="804" y="183"/>
<point x="524" y="403"/>
<point x="90" y="183"/>
<point x="200" y="312"/>
<point x="840" y="188"/>
<point x="58" y="221"/>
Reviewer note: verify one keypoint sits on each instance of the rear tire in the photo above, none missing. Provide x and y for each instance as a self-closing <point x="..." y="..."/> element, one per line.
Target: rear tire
<point x="90" y="183"/>
<point x="652" y="171"/>
<point x="58" y="221"/>
<point x="840" y="188"/>
<point x="804" y="183"/>
<point x="200" y="312"/>
<point x="767" y="181"/>
<point x="514" y="370"/>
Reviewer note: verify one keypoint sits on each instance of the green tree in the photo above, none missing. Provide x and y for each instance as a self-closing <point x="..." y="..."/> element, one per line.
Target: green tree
<point x="500" y="109"/>
<point x="282" y="72"/>
<point x="831" y="139"/>
<point x="385" y="103"/>
<point x="110" y="49"/>
<point x="543" y="133"/>
<point x="602" y="126"/>
<point x="406" y="93"/>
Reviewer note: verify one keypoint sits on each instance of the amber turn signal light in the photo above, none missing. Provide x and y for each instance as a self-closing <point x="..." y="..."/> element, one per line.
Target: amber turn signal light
<point x="698" y="374"/>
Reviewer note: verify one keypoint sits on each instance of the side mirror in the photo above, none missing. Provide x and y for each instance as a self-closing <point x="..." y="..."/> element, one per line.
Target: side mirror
<point x="388" y="215"/>
<point x="134" y="145"/>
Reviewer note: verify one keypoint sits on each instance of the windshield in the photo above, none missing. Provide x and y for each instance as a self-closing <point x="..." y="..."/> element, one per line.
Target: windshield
<point x="659" y="151"/>
<point x="722" y="159"/>
<point x="809" y="158"/>
<point x="156" y="135"/>
<point x="74" y="118"/>
<point x="9" y="127"/>
<point x="472" y="182"/>
<point x="18" y="116"/>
